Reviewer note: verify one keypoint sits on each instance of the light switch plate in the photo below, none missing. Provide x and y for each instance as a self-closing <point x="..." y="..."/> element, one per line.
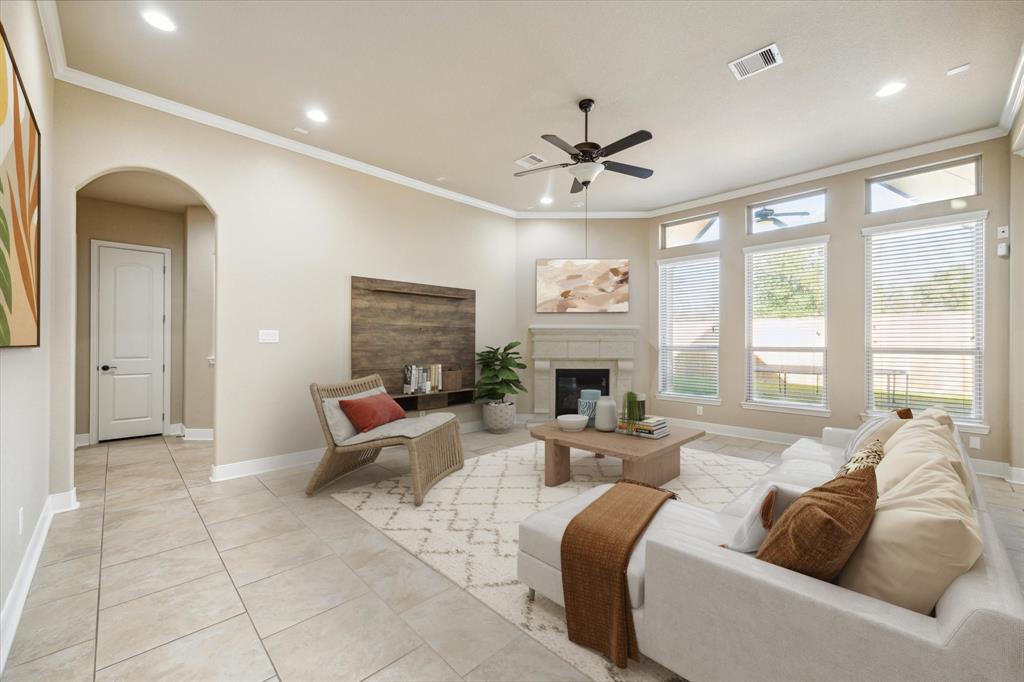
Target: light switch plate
<point x="1003" y="232"/>
<point x="1003" y="249"/>
<point x="269" y="336"/>
<point x="974" y="443"/>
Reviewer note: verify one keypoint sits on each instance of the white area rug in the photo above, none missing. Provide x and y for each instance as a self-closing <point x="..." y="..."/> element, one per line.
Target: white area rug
<point x="467" y="528"/>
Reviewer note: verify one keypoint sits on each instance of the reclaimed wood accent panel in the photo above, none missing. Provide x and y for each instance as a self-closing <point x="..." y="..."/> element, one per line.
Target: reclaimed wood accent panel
<point x="395" y="324"/>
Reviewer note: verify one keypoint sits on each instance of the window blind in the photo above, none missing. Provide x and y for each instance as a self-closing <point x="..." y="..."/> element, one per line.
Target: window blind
<point x="688" y="321"/>
<point x="924" y="303"/>
<point x="786" y="319"/>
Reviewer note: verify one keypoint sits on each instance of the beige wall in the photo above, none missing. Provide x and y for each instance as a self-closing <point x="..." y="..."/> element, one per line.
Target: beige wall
<point x="566" y="239"/>
<point x="112" y="222"/>
<point x="25" y="372"/>
<point x="291" y="231"/>
<point x="200" y="287"/>
<point x="846" y="217"/>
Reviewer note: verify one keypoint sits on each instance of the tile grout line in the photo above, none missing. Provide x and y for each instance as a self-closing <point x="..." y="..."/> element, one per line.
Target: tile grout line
<point x="231" y="579"/>
<point x="99" y="576"/>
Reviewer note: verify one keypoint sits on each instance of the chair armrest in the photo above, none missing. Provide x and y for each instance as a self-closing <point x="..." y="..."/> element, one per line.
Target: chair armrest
<point x="712" y="613"/>
<point x="837" y="438"/>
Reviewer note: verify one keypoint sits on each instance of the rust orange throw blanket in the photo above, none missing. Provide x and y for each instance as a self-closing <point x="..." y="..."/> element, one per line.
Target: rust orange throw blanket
<point x="595" y="552"/>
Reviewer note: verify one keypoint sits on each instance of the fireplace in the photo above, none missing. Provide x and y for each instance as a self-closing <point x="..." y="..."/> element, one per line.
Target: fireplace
<point x="569" y="383"/>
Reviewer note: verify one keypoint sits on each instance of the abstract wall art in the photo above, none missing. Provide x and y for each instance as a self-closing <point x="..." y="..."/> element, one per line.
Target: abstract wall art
<point x="19" y="209"/>
<point x="567" y="285"/>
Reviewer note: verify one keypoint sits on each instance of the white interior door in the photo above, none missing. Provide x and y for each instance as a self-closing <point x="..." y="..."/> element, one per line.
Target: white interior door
<point x="130" y="320"/>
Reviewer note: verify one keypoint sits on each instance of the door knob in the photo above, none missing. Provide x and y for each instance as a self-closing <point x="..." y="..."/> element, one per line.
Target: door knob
<point x="108" y="367"/>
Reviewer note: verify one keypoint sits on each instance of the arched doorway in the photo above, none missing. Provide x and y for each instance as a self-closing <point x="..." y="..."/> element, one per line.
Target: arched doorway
<point x="145" y="316"/>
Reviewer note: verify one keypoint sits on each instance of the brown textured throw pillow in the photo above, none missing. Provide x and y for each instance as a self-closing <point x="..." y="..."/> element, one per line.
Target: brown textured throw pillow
<point x="819" y="531"/>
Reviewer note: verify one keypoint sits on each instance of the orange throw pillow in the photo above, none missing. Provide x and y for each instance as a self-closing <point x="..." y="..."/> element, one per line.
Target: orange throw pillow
<point x="819" y="531"/>
<point x="369" y="413"/>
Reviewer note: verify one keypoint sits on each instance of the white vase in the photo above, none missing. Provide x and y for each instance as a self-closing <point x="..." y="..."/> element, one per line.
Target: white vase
<point x="607" y="414"/>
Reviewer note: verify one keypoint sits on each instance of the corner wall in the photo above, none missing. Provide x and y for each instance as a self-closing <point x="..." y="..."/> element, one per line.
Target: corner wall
<point x="200" y="308"/>
<point x="25" y="372"/>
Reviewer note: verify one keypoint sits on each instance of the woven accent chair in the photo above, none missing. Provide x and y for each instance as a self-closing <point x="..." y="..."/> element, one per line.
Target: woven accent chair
<point x="432" y="455"/>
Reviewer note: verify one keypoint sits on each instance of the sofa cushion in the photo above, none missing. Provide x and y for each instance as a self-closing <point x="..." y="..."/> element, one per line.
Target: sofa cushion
<point x="755" y="524"/>
<point x="796" y="473"/>
<point x="818" y="532"/>
<point x="879" y="428"/>
<point x="924" y="535"/>
<point x="410" y="427"/>
<point x="918" y="440"/>
<point x="815" y="451"/>
<point x="340" y="426"/>
<point x="540" y="535"/>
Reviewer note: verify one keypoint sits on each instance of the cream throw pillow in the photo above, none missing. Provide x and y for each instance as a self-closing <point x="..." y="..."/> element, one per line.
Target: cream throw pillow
<point x="879" y="428"/>
<point x="341" y="427"/>
<point x="924" y="535"/>
<point x="939" y="415"/>
<point x="916" y="440"/>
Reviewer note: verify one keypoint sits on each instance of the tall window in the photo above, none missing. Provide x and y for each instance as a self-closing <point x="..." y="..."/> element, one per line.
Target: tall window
<point x="925" y="321"/>
<point x="786" y="318"/>
<point x="688" y="327"/>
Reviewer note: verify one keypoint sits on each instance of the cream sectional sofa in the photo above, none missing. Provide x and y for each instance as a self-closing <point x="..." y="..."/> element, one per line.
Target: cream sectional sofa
<point x="711" y="613"/>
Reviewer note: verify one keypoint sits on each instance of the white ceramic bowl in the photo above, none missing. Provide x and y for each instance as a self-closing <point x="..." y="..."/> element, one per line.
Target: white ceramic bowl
<point x="572" y="422"/>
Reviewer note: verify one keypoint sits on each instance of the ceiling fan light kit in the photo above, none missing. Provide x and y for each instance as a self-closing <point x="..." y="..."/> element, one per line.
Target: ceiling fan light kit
<point x="585" y="164"/>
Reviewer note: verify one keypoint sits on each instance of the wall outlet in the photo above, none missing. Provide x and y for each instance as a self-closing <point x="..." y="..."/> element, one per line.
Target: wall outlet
<point x="1003" y="249"/>
<point x="1003" y="232"/>
<point x="21" y="520"/>
<point x="700" y="410"/>
<point x="974" y="443"/>
<point x="268" y="336"/>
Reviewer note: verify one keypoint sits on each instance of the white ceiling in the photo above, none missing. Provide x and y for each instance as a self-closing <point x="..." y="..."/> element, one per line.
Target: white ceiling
<point x="459" y="90"/>
<point x="142" y="188"/>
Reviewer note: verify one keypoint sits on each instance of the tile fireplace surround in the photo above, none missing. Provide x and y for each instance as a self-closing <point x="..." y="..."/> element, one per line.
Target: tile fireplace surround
<point x="580" y="347"/>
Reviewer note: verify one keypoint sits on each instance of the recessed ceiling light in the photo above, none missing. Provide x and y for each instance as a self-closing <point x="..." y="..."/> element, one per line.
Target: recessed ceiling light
<point x="316" y="115"/>
<point x="958" y="69"/>
<point x="890" y="89"/>
<point x="158" y="20"/>
<point x="546" y="200"/>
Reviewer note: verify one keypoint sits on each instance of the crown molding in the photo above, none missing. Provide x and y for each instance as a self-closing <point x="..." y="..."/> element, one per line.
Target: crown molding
<point x="1015" y="95"/>
<point x="50" y="21"/>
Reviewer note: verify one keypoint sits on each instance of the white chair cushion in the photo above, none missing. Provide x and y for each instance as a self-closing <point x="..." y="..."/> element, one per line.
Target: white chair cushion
<point x="815" y="451"/>
<point x="341" y="427"/>
<point x="410" y="427"/>
<point x="540" y="535"/>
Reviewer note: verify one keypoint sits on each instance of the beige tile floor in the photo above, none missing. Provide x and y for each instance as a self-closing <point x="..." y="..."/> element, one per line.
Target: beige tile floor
<point x="164" y="575"/>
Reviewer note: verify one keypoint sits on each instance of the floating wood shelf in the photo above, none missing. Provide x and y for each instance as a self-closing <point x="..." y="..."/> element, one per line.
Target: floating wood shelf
<point x="415" y="402"/>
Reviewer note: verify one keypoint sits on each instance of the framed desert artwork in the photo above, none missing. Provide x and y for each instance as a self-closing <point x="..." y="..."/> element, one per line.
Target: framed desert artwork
<point x="566" y="285"/>
<point x="19" y="209"/>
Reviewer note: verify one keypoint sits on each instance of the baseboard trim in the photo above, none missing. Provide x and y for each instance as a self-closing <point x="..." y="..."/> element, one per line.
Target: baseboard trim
<point x="741" y="431"/>
<point x="174" y="430"/>
<point x="1015" y="475"/>
<point x="14" y="604"/>
<point x="197" y="434"/>
<point x="263" y="465"/>
<point x="988" y="467"/>
<point x="82" y="440"/>
<point x="471" y="427"/>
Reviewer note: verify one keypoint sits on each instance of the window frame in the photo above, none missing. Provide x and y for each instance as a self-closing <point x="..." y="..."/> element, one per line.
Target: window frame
<point x="778" y="405"/>
<point x="751" y="208"/>
<point x="683" y="397"/>
<point x="918" y="170"/>
<point x="967" y="425"/>
<point x="681" y="221"/>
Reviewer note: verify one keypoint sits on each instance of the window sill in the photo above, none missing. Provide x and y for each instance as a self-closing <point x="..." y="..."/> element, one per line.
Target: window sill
<point x="688" y="399"/>
<point x="767" y="407"/>
<point x="973" y="428"/>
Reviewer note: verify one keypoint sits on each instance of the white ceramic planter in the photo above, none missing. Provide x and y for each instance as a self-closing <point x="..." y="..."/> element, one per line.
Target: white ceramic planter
<point x="499" y="417"/>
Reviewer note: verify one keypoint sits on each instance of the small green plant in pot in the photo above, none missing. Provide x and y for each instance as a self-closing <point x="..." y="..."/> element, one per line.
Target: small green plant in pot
<point x="499" y="379"/>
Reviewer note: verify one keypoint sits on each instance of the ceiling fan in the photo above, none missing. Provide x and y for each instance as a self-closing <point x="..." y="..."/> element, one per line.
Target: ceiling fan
<point x="586" y="164"/>
<point x="768" y="215"/>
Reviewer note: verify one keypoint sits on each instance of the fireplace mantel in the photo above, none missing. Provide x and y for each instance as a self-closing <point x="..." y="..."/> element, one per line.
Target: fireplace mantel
<point x="581" y="347"/>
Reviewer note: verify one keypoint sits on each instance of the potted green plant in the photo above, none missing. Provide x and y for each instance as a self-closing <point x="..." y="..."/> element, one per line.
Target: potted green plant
<point x="498" y="379"/>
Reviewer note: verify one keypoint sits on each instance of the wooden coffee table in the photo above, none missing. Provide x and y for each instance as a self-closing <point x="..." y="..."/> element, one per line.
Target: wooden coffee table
<point x="654" y="462"/>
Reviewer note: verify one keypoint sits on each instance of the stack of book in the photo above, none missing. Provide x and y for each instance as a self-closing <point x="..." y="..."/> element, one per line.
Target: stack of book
<point x="650" y="427"/>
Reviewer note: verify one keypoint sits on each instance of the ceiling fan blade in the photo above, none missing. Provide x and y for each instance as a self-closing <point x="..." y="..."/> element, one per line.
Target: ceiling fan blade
<point x="577" y="187"/>
<point x="625" y="168"/>
<point x="538" y="170"/>
<point x="561" y="144"/>
<point x="626" y="142"/>
<point x="793" y="213"/>
<point x="778" y="222"/>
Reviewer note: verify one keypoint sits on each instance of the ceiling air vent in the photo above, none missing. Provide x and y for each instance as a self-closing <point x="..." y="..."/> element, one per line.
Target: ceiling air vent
<point x="529" y="161"/>
<point x="755" y="62"/>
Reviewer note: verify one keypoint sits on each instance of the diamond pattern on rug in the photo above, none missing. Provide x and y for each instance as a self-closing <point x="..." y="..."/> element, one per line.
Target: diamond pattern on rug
<point x="468" y="529"/>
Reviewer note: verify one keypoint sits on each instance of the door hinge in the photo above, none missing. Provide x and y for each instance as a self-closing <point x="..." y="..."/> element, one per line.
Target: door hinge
<point x="165" y="269"/>
<point x="165" y="367"/>
<point x="165" y="318"/>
